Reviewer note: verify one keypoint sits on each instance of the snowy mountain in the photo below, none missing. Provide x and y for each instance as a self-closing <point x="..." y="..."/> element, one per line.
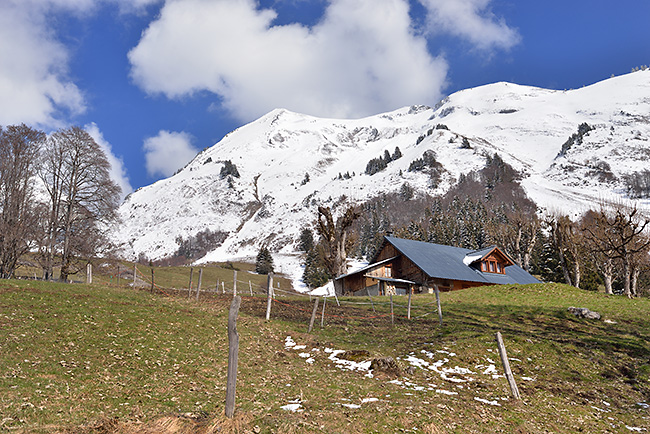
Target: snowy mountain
<point x="290" y="163"/>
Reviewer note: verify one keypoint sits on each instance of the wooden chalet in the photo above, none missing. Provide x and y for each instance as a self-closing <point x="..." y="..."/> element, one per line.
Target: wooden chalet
<point x="403" y="265"/>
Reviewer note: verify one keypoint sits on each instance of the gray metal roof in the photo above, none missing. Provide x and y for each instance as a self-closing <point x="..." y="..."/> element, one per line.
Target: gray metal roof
<point x="446" y="262"/>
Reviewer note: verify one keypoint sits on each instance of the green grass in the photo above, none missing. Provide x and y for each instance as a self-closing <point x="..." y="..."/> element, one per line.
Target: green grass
<point x="120" y="273"/>
<point x="103" y="359"/>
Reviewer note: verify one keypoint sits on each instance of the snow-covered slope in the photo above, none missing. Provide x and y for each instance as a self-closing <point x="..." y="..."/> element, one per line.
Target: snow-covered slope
<point x="270" y="202"/>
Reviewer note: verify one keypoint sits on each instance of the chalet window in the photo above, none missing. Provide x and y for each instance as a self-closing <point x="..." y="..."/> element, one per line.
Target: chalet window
<point x="492" y="266"/>
<point x="389" y="270"/>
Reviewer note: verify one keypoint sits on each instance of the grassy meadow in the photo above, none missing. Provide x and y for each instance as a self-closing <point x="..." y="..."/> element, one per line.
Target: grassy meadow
<point x="104" y="359"/>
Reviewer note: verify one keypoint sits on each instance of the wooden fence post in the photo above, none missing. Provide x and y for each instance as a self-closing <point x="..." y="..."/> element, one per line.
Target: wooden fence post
<point x="223" y="287"/>
<point x="408" y="313"/>
<point x="438" y="303"/>
<point x="506" y="367"/>
<point x="322" y="316"/>
<point x="135" y="273"/>
<point x="313" y="315"/>
<point x="198" y="287"/>
<point x="89" y="273"/>
<point x="152" y="284"/>
<point x="189" y="287"/>
<point x="269" y="295"/>
<point x="250" y="286"/>
<point x="234" y="282"/>
<point x="233" y="350"/>
<point x="392" y="316"/>
<point x="118" y="275"/>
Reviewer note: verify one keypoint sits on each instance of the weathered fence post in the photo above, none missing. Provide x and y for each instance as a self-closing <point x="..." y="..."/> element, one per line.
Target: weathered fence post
<point x="392" y="316"/>
<point x="250" y="286"/>
<point x="118" y="275"/>
<point x="313" y="315"/>
<point x="322" y="315"/>
<point x="189" y="287"/>
<point x="223" y="287"/>
<point x="135" y="273"/>
<point x="152" y="284"/>
<point x="234" y="282"/>
<point x="198" y="287"/>
<point x="89" y="273"/>
<point x="506" y="367"/>
<point x="438" y="303"/>
<point x="269" y="295"/>
<point x="408" y="312"/>
<point x="233" y="350"/>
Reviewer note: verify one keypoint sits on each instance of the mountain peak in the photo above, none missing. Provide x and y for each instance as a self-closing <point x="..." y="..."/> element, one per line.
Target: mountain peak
<point x="289" y="163"/>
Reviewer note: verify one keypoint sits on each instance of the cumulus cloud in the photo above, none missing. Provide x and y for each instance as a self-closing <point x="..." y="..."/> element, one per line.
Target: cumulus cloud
<point x="472" y="20"/>
<point x="118" y="171"/>
<point x="167" y="152"/>
<point x="34" y="87"/>
<point x="363" y="57"/>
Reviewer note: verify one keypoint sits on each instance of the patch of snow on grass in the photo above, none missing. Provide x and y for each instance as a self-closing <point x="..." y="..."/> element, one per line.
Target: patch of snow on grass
<point x="486" y="401"/>
<point x="292" y="407"/>
<point x="446" y="392"/>
<point x="348" y="364"/>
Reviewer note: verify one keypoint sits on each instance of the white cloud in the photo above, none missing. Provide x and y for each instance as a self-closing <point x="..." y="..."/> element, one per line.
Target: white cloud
<point x="167" y="152"/>
<point x="472" y="20"/>
<point x="34" y="84"/>
<point x="34" y="87"/>
<point x="362" y="58"/>
<point x="118" y="171"/>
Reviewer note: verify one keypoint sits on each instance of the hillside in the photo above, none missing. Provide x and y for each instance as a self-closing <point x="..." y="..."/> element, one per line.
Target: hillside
<point x="272" y="199"/>
<point x="96" y="359"/>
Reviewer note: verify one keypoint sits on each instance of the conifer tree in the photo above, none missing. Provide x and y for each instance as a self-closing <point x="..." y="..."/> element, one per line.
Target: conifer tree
<point x="264" y="261"/>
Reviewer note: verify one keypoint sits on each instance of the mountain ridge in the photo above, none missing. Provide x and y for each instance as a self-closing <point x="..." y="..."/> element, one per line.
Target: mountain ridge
<point x="290" y="163"/>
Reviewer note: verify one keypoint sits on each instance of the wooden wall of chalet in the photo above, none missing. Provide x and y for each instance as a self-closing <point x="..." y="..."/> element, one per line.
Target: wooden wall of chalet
<point x="403" y="267"/>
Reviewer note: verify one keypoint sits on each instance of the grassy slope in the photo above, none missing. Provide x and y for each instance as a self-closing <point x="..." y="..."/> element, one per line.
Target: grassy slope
<point x="97" y="359"/>
<point x="107" y="272"/>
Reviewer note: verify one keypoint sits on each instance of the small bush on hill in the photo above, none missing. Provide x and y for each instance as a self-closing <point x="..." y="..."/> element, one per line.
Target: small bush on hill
<point x="228" y="169"/>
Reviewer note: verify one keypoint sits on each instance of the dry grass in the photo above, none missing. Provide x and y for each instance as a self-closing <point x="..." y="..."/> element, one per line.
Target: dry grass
<point x="99" y="360"/>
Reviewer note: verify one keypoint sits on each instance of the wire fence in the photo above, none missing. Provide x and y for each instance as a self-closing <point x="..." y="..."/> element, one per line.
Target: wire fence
<point x="300" y="303"/>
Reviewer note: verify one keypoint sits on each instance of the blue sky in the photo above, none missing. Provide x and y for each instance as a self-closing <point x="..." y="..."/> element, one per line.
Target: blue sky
<point x="155" y="81"/>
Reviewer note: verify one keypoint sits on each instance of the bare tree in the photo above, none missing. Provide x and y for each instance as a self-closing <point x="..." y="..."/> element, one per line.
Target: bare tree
<point x="516" y="230"/>
<point x="82" y="198"/>
<point x="602" y="257"/>
<point x="19" y="146"/>
<point x="566" y="241"/>
<point x="620" y="233"/>
<point x="334" y="237"/>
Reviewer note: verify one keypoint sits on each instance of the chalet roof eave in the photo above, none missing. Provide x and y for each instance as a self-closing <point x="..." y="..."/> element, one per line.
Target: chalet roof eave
<point x="366" y="268"/>
<point x="390" y="279"/>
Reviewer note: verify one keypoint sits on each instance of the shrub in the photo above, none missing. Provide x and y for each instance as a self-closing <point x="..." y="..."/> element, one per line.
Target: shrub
<point x="575" y="139"/>
<point x="228" y="169"/>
